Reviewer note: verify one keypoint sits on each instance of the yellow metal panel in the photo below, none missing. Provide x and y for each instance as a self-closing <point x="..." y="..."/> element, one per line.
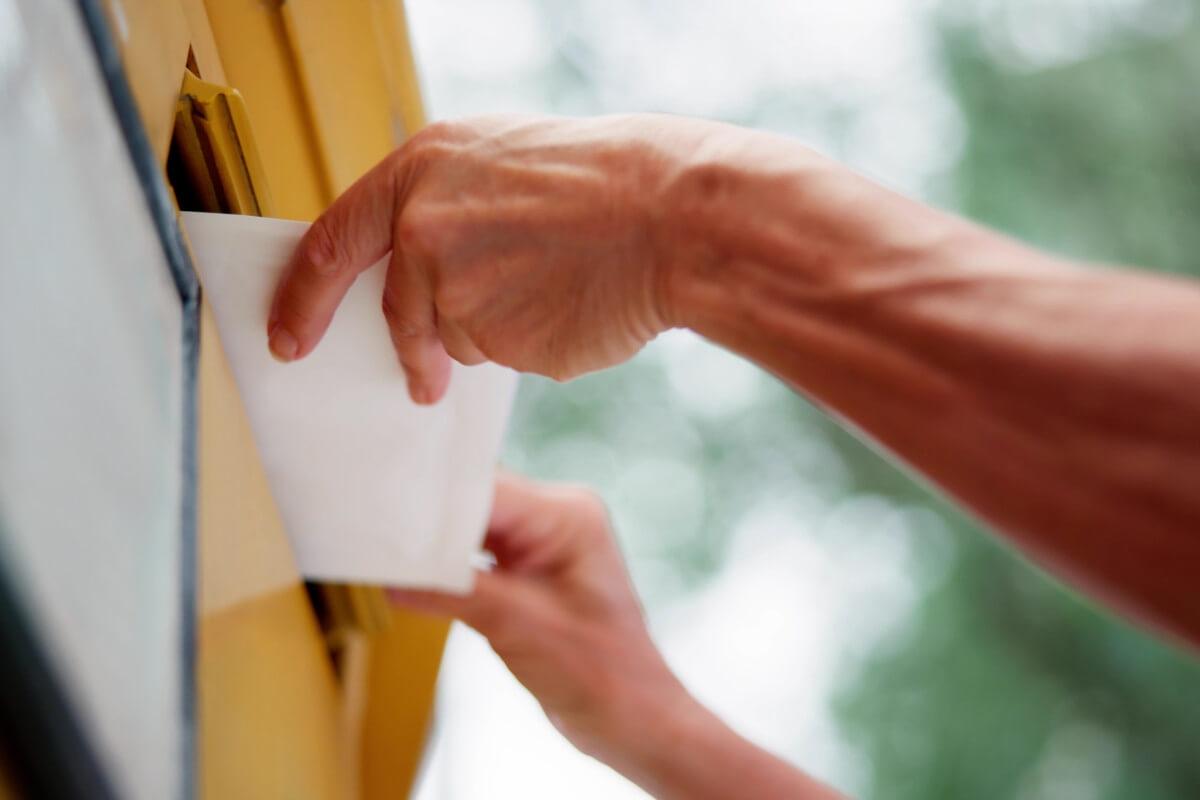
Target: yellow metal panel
<point x="316" y="134"/>
<point x="265" y="674"/>
<point x="328" y="92"/>
<point x="216" y="118"/>
<point x="257" y="58"/>
<point x="270" y="704"/>
<point x="335" y="47"/>
<point x="403" y="666"/>
<point x="395" y="48"/>
<point x="204" y="47"/>
<point x="153" y="37"/>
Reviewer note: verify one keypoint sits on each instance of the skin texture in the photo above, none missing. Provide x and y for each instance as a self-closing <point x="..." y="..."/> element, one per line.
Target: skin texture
<point x="1059" y="403"/>
<point x="561" y="612"/>
<point x="512" y="242"/>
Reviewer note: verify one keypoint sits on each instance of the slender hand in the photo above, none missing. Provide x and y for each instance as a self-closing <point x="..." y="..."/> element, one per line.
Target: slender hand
<point x="1060" y="403"/>
<point x="560" y="611"/>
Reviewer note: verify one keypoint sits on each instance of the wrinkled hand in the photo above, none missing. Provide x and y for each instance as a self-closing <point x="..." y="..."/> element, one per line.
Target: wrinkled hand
<point x="560" y="611"/>
<point x="531" y="242"/>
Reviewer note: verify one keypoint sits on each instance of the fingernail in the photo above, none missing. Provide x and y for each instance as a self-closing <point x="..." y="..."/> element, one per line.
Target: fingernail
<point x="283" y="345"/>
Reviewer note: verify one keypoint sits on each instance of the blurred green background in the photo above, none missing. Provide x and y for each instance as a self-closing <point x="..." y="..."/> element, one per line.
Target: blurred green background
<point x="789" y="570"/>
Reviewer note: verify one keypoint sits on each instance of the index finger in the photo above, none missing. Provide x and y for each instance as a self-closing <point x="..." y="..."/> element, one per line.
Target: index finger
<point x="494" y="600"/>
<point x="352" y="234"/>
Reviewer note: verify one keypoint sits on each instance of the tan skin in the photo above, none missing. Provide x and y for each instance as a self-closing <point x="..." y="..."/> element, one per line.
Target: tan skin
<point x="561" y="612"/>
<point x="1059" y="403"/>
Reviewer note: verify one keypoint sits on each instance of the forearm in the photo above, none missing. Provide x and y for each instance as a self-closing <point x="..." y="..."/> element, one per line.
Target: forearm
<point x="681" y="751"/>
<point x="1060" y="403"/>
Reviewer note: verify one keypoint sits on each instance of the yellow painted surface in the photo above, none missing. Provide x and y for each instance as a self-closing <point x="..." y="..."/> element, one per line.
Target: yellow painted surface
<point x="335" y="48"/>
<point x="396" y="51"/>
<point x="214" y="117"/>
<point x="257" y="59"/>
<point x="403" y="664"/>
<point x="153" y="36"/>
<point x="268" y="703"/>
<point x="203" y="45"/>
<point x="328" y="90"/>
<point x="269" y="700"/>
<point x="316" y="134"/>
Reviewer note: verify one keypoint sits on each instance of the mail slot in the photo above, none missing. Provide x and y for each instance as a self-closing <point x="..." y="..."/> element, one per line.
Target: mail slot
<point x="261" y="685"/>
<point x="317" y="690"/>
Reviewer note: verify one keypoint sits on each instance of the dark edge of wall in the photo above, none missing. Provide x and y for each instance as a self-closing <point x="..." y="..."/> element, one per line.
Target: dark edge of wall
<point x="45" y="749"/>
<point x="162" y="212"/>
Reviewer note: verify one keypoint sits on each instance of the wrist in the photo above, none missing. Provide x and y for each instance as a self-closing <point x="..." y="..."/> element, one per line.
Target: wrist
<point x="681" y="750"/>
<point x="737" y="214"/>
<point x="662" y="745"/>
<point x="789" y="232"/>
<point x="661" y="738"/>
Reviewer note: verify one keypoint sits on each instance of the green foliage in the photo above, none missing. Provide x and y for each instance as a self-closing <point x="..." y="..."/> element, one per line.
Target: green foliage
<point x="1007" y="685"/>
<point x="1098" y="160"/>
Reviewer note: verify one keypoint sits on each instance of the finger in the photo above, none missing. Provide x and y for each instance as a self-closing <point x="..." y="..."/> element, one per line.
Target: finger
<point x="441" y="604"/>
<point x="514" y="499"/>
<point x="493" y="600"/>
<point x="352" y="234"/>
<point x="458" y="344"/>
<point x="412" y="324"/>
<point x="530" y="528"/>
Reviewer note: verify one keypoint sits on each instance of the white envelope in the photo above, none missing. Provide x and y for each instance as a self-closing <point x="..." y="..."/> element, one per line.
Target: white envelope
<point x="372" y="487"/>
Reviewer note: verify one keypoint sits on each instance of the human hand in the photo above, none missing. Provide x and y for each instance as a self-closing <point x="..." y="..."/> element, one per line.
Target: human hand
<point x="531" y="242"/>
<point x="560" y="611"/>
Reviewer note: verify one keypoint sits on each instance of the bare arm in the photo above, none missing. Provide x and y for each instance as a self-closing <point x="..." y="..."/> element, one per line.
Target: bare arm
<point x="1060" y="403"/>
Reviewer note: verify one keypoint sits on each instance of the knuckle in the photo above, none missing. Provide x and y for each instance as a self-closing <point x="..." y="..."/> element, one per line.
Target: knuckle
<point x="432" y="143"/>
<point x="389" y="308"/>
<point x="438" y="131"/>
<point x="438" y="151"/>
<point x="299" y="316"/>
<point x="297" y="313"/>
<point x="321" y="248"/>
<point x="418" y="232"/>
<point x="587" y="504"/>
<point x="559" y="371"/>
<point x="455" y="298"/>
<point x="401" y="326"/>
<point x="713" y="180"/>
<point x="408" y="231"/>
<point x="405" y="330"/>
<point x="467" y="356"/>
